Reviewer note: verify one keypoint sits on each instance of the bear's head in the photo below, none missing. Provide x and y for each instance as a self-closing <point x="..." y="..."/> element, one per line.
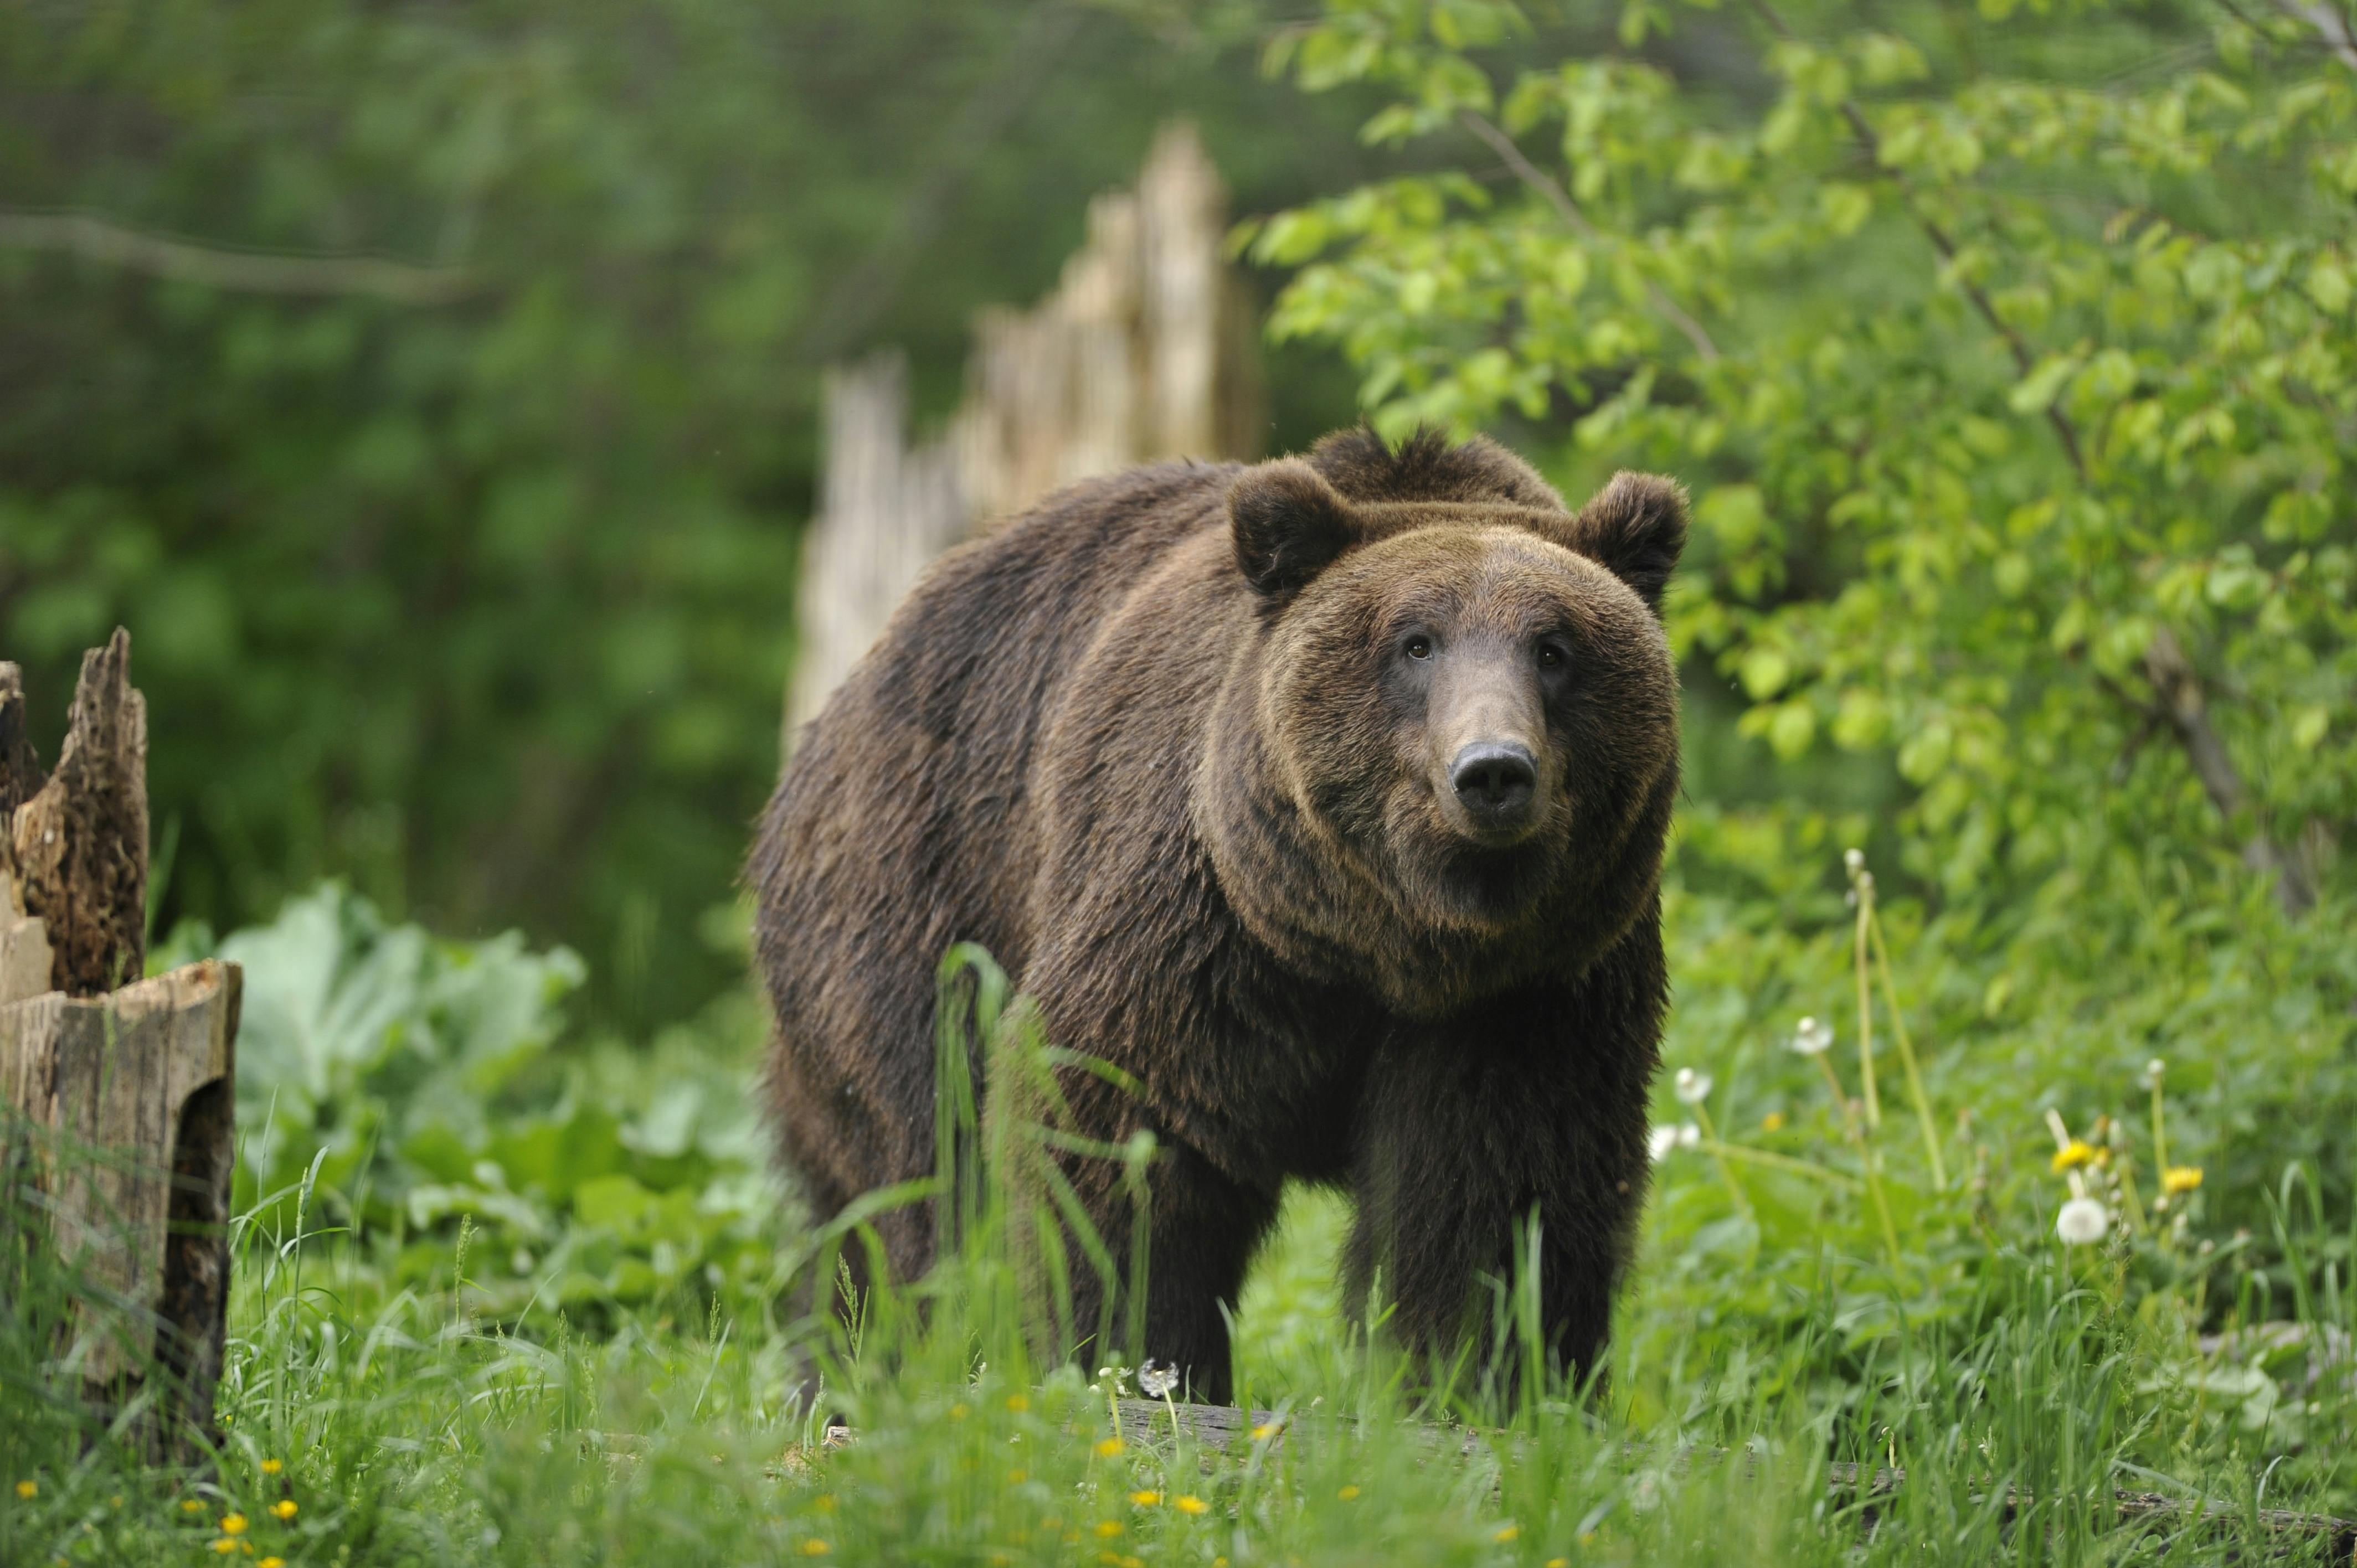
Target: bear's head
<point x="1453" y="759"/>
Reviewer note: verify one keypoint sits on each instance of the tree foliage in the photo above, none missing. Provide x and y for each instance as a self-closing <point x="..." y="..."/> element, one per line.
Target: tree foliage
<point x="2011" y="361"/>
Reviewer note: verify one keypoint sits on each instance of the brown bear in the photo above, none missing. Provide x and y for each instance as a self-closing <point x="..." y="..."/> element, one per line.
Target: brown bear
<point x="1326" y="798"/>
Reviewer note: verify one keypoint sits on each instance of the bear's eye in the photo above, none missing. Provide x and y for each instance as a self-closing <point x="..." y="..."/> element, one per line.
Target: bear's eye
<point x="1550" y="656"/>
<point x="1418" y="647"/>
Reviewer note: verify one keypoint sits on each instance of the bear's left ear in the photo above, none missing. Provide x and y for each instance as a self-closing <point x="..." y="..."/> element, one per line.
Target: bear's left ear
<point x="1635" y="528"/>
<point x="1289" y="524"/>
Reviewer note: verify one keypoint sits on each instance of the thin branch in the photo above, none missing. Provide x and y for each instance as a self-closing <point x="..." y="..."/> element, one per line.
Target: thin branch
<point x="1555" y="196"/>
<point x="2180" y="705"/>
<point x="96" y="239"/>
<point x="2181" y="702"/>
<point x="2331" y="25"/>
<point x="1945" y="244"/>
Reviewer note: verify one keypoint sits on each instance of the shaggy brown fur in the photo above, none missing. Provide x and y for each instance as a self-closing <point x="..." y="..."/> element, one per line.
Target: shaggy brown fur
<point x="1188" y="749"/>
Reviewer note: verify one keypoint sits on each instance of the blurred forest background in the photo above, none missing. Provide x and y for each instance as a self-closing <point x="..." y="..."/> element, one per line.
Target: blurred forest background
<point x="461" y="564"/>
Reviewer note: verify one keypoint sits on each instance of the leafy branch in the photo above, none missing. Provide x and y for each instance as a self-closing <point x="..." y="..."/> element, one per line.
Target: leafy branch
<point x="1555" y="196"/>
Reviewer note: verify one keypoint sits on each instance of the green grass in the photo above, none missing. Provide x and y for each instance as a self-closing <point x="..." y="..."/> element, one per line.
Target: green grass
<point x="409" y="1431"/>
<point x="555" y="1320"/>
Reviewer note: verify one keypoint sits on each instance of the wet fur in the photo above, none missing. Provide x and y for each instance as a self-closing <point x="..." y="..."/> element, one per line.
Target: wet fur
<point x="1138" y="744"/>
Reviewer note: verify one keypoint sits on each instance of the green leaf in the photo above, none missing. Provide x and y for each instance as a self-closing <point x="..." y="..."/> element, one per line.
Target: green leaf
<point x="2036" y="391"/>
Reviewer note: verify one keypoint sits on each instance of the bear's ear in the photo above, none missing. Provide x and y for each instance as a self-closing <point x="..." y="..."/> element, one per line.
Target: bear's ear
<point x="1289" y="525"/>
<point x="1635" y="528"/>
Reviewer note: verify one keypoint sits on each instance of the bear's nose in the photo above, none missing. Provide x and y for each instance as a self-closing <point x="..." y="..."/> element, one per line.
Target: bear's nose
<point x="1495" y="781"/>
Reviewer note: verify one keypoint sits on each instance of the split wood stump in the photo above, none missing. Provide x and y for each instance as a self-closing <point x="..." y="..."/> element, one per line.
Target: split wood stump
<point x="116" y="1091"/>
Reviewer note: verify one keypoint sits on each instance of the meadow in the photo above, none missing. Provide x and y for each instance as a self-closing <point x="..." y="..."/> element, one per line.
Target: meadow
<point x="506" y="1294"/>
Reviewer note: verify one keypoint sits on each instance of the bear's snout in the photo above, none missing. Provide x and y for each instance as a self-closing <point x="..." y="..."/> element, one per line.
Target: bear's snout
<point x="1497" y="783"/>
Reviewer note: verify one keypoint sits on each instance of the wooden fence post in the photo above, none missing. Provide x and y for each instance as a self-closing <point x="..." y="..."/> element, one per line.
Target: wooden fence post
<point x="120" y="1089"/>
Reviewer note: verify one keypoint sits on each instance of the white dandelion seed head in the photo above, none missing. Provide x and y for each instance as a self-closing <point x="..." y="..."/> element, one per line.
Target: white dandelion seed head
<point x="1660" y="1142"/>
<point x="2082" y="1222"/>
<point x="1693" y="1088"/>
<point x="1689" y="1136"/>
<point x="2153" y="1071"/>
<point x="1852" y="861"/>
<point x="1813" y="1038"/>
<point x="1155" y="1378"/>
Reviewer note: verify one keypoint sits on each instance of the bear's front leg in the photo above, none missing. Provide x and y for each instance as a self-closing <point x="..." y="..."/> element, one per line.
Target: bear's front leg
<point x="1534" y="1102"/>
<point x="1202" y="1226"/>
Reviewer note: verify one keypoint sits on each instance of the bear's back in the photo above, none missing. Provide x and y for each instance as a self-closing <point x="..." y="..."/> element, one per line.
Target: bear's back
<point x="904" y="823"/>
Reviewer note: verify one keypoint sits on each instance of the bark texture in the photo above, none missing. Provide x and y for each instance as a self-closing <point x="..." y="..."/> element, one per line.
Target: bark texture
<point x="81" y="841"/>
<point x="1145" y="350"/>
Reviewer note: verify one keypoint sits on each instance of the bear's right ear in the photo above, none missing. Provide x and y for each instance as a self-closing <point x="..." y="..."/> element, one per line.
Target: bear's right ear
<point x="1289" y="525"/>
<point x="1636" y="528"/>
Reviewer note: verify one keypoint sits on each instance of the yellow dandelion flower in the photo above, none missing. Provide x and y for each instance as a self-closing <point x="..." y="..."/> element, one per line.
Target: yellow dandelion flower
<point x="192" y="1505"/>
<point x="1219" y="1563"/>
<point x="814" y="1547"/>
<point x="1017" y="1403"/>
<point x="1772" y="1122"/>
<point x="1146" y="1499"/>
<point x="115" y="1501"/>
<point x="1109" y="1528"/>
<point x="28" y="1490"/>
<point x="1111" y="1559"/>
<point x="1133" y="1563"/>
<point x="1191" y="1504"/>
<point x="1111" y="1446"/>
<point x="958" y="1411"/>
<point x="232" y="1524"/>
<point x="225" y="1545"/>
<point x="2180" y="1179"/>
<point x="272" y="1467"/>
<point x="284" y="1507"/>
<point x="2072" y="1155"/>
<point x="826" y="1503"/>
<point x="1016" y="1478"/>
<point x="271" y="1562"/>
<point x="1507" y="1532"/>
<point x="1266" y="1430"/>
<point x="1347" y="1493"/>
<point x="1558" y="1562"/>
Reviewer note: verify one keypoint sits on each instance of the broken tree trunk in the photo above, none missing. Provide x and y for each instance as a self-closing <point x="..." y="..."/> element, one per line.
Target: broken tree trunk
<point x="81" y="840"/>
<point x="20" y="768"/>
<point x="117" y="1124"/>
<point x="1145" y="351"/>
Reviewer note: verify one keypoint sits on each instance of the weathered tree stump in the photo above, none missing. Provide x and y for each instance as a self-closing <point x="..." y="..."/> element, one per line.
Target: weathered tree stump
<point x="81" y="839"/>
<point x="118" y="1091"/>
